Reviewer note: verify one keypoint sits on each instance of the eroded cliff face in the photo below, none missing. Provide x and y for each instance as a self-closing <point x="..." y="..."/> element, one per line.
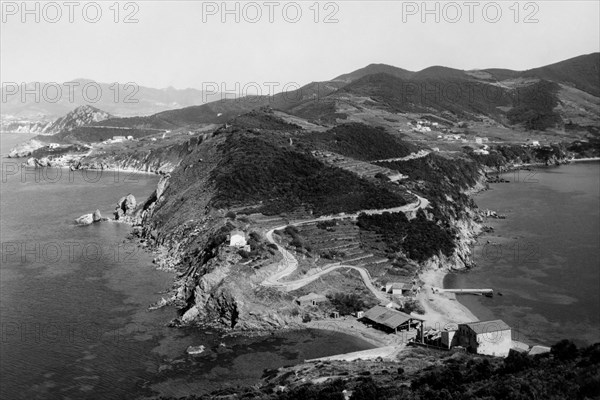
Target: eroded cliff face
<point x="214" y="286"/>
<point x="461" y="259"/>
<point x="229" y="295"/>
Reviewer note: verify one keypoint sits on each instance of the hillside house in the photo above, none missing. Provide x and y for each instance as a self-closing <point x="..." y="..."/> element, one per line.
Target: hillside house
<point x="492" y="338"/>
<point x="311" y="299"/>
<point x="400" y="288"/>
<point x="237" y="238"/>
<point x="117" y="139"/>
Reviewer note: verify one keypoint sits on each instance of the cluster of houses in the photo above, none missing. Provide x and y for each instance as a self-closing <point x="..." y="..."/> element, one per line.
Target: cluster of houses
<point x="423" y="126"/>
<point x="452" y="137"/>
<point x="491" y="338"/>
<point x="118" y="139"/>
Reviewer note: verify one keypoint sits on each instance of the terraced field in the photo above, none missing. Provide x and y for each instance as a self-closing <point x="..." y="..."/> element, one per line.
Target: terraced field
<point x="360" y="168"/>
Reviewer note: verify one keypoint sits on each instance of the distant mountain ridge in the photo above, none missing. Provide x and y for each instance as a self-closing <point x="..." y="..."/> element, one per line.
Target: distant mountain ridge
<point x="582" y="72"/>
<point x="124" y="99"/>
<point x="564" y="93"/>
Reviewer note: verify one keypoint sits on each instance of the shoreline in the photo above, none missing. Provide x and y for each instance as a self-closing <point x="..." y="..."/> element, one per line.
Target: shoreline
<point x="129" y="170"/>
<point x="587" y="159"/>
<point x="441" y="309"/>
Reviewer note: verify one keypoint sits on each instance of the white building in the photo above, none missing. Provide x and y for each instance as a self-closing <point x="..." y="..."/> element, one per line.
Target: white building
<point x="399" y="288"/>
<point x="237" y="239"/>
<point x="117" y="139"/>
<point x="478" y="140"/>
<point x="492" y="338"/>
<point x="535" y="143"/>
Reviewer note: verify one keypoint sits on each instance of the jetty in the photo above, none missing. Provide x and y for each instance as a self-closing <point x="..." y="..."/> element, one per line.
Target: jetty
<point x="480" y="292"/>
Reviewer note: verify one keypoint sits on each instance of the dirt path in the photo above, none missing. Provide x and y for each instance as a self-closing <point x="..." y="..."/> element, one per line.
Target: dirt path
<point x="289" y="264"/>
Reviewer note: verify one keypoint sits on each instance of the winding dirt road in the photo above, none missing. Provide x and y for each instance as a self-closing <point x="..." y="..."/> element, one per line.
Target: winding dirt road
<point x="289" y="263"/>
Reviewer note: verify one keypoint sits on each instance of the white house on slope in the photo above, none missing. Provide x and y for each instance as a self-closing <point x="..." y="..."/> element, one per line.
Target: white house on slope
<point x="237" y="238"/>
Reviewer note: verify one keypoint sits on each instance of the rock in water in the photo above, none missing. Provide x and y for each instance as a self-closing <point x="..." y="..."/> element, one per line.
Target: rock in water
<point x="86" y="219"/>
<point x="97" y="217"/>
<point x="125" y="206"/>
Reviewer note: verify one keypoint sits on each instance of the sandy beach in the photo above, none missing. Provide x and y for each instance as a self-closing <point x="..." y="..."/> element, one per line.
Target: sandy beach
<point x="441" y="308"/>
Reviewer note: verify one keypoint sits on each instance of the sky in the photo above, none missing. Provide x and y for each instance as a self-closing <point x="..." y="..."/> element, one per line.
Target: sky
<point x="195" y="44"/>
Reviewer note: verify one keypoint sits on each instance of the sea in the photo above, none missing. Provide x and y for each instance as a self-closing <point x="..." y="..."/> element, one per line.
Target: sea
<point x="74" y="301"/>
<point x="543" y="260"/>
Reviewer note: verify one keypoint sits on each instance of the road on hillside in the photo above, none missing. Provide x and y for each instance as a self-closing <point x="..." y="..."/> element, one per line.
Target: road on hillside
<point x="289" y="263"/>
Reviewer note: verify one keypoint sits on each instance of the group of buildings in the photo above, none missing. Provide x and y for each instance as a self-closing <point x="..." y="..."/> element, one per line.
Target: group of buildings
<point x="118" y="139"/>
<point x="491" y="338"/>
<point x="482" y="337"/>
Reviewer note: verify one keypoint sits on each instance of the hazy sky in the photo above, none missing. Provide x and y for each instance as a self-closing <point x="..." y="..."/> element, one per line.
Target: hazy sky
<point x="186" y="43"/>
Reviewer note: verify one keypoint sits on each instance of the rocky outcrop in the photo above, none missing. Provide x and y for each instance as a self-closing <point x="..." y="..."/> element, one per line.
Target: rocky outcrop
<point x="225" y="297"/>
<point x="96" y="216"/>
<point x="25" y="149"/>
<point x="88" y="219"/>
<point x="126" y="209"/>
<point x="80" y="116"/>
<point x="39" y="163"/>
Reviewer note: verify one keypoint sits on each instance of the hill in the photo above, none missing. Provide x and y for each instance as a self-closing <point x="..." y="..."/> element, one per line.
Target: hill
<point x="375" y="69"/>
<point x="581" y="72"/>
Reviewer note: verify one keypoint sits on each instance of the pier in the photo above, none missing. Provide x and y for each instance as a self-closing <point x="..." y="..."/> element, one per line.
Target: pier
<point x="480" y="292"/>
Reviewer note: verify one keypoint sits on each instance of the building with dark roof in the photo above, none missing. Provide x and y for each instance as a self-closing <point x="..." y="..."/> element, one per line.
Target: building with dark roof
<point x="390" y="320"/>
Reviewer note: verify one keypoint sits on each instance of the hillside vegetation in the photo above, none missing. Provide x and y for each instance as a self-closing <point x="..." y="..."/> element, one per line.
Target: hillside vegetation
<point x="419" y="238"/>
<point x="359" y="141"/>
<point x="441" y="180"/>
<point x="566" y="373"/>
<point x="253" y="172"/>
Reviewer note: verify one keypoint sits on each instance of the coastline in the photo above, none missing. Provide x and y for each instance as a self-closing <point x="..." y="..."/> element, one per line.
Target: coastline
<point x="113" y="169"/>
<point x="441" y="309"/>
<point x="588" y="159"/>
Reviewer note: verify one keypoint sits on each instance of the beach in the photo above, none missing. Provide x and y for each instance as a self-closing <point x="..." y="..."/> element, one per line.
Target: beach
<point x="441" y="309"/>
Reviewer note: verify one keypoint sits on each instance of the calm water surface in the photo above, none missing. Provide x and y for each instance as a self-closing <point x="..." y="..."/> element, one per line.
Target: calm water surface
<point x="544" y="258"/>
<point x="73" y="314"/>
